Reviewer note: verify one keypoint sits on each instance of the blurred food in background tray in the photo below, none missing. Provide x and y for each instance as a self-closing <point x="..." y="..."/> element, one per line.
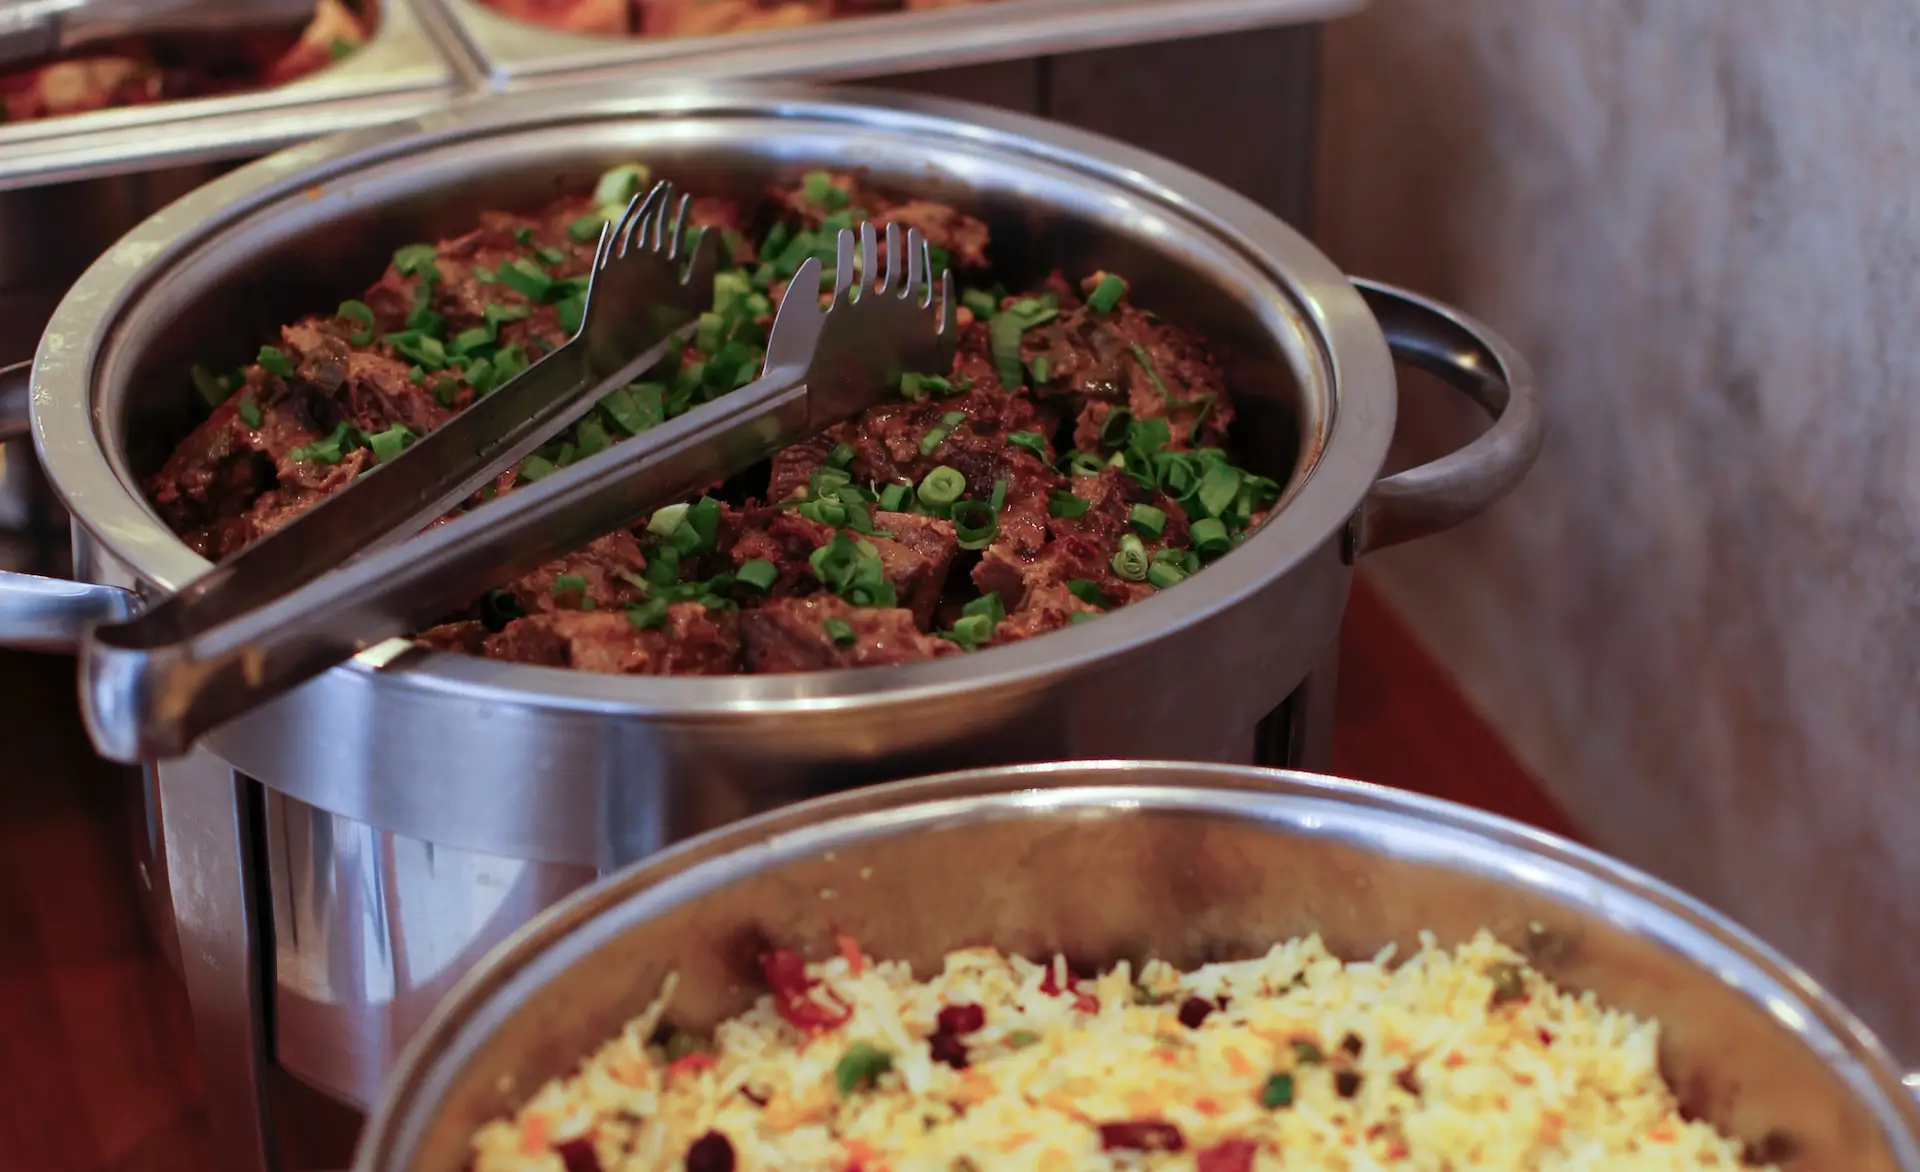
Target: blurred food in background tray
<point x="694" y="18"/>
<point x="142" y="71"/>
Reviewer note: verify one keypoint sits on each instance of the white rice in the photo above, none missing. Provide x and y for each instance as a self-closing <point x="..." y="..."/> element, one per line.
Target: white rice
<point x="1456" y="1060"/>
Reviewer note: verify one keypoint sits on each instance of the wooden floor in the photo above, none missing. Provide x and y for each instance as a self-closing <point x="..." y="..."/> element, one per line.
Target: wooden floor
<point x="96" y="1056"/>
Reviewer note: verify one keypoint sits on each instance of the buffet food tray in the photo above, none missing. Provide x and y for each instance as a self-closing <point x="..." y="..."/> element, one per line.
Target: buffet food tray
<point x="499" y="51"/>
<point x="398" y="73"/>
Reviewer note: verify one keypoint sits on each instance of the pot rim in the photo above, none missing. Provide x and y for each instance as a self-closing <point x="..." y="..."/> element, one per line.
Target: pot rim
<point x="576" y="925"/>
<point x="1347" y="343"/>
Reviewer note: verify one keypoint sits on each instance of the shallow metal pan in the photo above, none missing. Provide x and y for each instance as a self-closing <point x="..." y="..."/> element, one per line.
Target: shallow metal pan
<point x="1191" y="863"/>
<point x="502" y="51"/>
<point x="398" y="73"/>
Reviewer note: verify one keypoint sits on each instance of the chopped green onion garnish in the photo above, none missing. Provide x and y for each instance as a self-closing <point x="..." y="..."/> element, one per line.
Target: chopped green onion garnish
<point x="942" y="486"/>
<point x="1041" y="367"/>
<point x="975" y="524"/>
<point x="841" y="632"/>
<point x="841" y="456"/>
<point x="536" y="468"/>
<point x="1021" y="1039"/>
<point x="972" y="630"/>
<point x="1085" y="464"/>
<point x="1307" y="1054"/>
<point x="667" y="519"/>
<point x="648" y="615"/>
<point x="1085" y="591"/>
<point x="1278" y="1091"/>
<point x="592" y="436"/>
<point x="1106" y="294"/>
<point x="565" y="584"/>
<point x="551" y="257"/>
<point x="1116" y="427"/>
<point x="523" y="236"/>
<point x="525" y="277"/>
<point x="1067" y="505"/>
<point x="818" y="188"/>
<point x="932" y="440"/>
<point x="250" y="412"/>
<point x="360" y="313"/>
<point x="329" y="450"/>
<point x="1148" y="520"/>
<point x="1210" y="537"/>
<point x="415" y="258"/>
<point x="997" y="500"/>
<point x="983" y="304"/>
<point x="467" y="341"/>
<point x="953" y="419"/>
<point x="618" y="185"/>
<point x="987" y="606"/>
<point x="1163" y="575"/>
<point x="500" y="312"/>
<point x="425" y="349"/>
<point x="1218" y="489"/>
<point x="758" y="573"/>
<point x="892" y="498"/>
<point x="391" y="442"/>
<point x="573" y="313"/>
<point x="1131" y="562"/>
<point x="275" y="361"/>
<point x="1145" y="360"/>
<point x="1080" y="616"/>
<point x="1003" y="337"/>
<point x="1033" y="441"/>
<point x="587" y="228"/>
<point x="213" y="389"/>
<point x="704" y="519"/>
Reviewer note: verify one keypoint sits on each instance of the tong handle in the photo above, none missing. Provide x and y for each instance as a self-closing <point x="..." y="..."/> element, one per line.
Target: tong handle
<point x="399" y="499"/>
<point x="142" y="703"/>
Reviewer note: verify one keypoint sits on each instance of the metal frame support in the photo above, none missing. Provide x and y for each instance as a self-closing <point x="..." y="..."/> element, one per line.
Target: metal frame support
<point x="207" y="819"/>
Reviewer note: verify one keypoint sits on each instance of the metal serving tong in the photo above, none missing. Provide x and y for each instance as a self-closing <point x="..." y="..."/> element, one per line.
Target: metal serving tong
<point x="151" y="687"/>
<point x="32" y="29"/>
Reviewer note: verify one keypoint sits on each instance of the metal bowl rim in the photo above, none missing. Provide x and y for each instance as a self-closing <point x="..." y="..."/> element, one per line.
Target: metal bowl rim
<point x="820" y="824"/>
<point x="1357" y="368"/>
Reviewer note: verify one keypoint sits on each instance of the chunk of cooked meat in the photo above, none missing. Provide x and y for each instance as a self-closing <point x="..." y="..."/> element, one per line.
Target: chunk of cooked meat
<point x="695" y="641"/>
<point x="603" y="575"/>
<point x="1048" y="608"/>
<point x="799" y="634"/>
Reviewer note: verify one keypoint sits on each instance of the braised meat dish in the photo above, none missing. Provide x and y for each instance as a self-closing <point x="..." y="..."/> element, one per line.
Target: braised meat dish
<point x="696" y="18"/>
<point x="1073" y="459"/>
<point x="140" y="71"/>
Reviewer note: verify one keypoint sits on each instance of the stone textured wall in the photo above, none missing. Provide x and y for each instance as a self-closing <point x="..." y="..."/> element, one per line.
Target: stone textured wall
<point x="1699" y="623"/>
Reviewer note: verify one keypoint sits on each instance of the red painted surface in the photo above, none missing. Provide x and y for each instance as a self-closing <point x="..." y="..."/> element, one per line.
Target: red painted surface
<point x="96" y="1052"/>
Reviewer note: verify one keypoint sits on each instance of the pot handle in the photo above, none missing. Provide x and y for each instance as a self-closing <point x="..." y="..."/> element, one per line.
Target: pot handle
<point x="1472" y="358"/>
<point x="46" y="614"/>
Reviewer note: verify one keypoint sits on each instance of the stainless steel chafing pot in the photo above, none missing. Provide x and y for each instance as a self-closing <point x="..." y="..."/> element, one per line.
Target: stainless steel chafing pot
<point x="1191" y="863"/>
<point x="396" y="817"/>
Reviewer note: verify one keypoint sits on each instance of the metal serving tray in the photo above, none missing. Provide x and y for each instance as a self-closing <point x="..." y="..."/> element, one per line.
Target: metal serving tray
<point x="399" y="73"/>
<point x="499" y="51"/>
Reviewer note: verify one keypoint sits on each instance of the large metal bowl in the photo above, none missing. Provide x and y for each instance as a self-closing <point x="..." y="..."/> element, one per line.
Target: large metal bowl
<point x="418" y="806"/>
<point x="1191" y="863"/>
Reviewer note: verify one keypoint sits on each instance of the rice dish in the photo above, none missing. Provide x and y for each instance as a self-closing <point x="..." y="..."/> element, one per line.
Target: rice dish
<point x="1453" y="1059"/>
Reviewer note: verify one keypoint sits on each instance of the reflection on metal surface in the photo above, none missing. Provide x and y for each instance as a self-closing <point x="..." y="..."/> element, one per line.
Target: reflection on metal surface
<point x="398" y="72"/>
<point x="371" y="930"/>
<point x="503" y="50"/>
